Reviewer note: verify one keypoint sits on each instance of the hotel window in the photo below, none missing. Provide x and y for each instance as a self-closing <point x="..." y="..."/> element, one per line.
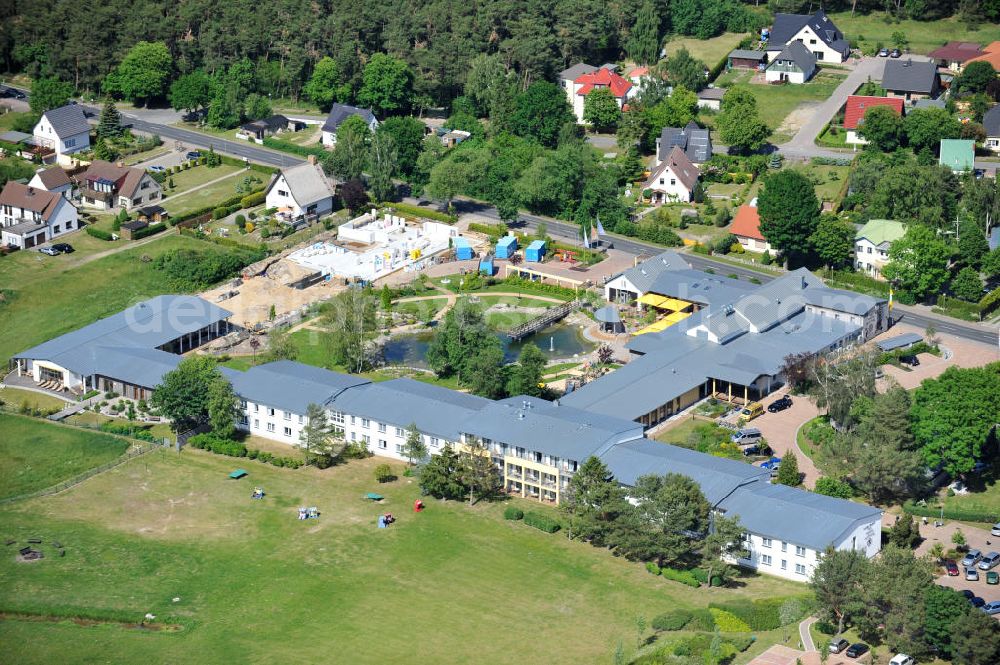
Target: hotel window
<point x="765" y="559"/>
<point x="399" y="431"/>
<point x="784" y="546"/>
<point x="256" y="424"/>
<point x="270" y="411"/>
<point x="800" y="569"/>
<point x="766" y="542"/>
<point x="366" y="423"/>
<point x="354" y="436"/>
<point x="301" y="420"/>
<point x="367" y="439"/>
<point x="288" y="415"/>
<point x="288" y="431"/>
<point x="382" y="444"/>
<point x="338" y="417"/>
<point x="282" y="192"/>
<point x="352" y="420"/>
<point x="242" y="420"/>
<point x="243" y="404"/>
<point x="270" y="427"/>
<point x="399" y="449"/>
<point x="784" y="564"/>
<point x="381" y="428"/>
<point x="256" y="408"/>
<point x="56" y="229"/>
<point x="800" y="551"/>
<point x="435" y="442"/>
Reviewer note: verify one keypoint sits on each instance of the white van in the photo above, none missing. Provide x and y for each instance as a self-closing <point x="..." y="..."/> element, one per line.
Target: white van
<point x="747" y="436"/>
<point x="902" y="659"/>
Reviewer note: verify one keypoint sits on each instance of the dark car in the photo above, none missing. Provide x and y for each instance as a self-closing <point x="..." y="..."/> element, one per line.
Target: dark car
<point x="194" y="154"/>
<point x="912" y="361"/>
<point x="51" y="251"/>
<point x="16" y="94"/>
<point x="968" y="594"/>
<point x="779" y="404"/>
<point x="856" y="649"/>
<point x="895" y="53"/>
<point x="977" y="601"/>
<point x="64" y="247"/>
<point x="951" y="567"/>
<point x="757" y="449"/>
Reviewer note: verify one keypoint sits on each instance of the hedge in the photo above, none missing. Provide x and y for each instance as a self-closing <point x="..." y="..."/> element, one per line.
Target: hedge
<point x="150" y="230"/>
<point x="652" y="568"/>
<point x="761" y="614"/>
<point x="233" y="161"/>
<point x="293" y="148"/>
<point x="963" y="515"/>
<point x="682" y="576"/>
<point x="491" y="230"/>
<point x="251" y="200"/>
<point x="512" y="513"/>
<point x="419" y="211"/>
<point x="232" y="204"/>
<point x="218" y="445"/>
<point x="989" y="302"/>
<point x="728" y="622"/>
<point x="98" y="233"/>
<point x="542" y="522"/>
<point x="127" y="430"/>
<point x="672" y="620"/>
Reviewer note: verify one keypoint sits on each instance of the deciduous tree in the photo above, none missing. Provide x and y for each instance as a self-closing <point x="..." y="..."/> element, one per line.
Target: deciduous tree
<point x="789" y="213"/>
<point x="191" y="92"/>
<point x="383" y="165"/>
<point x="918" y="262"/>
<point x="526" y="375"/>
<point x="185" y="393"/>
<point x="833" y="241"/>
<point x="882" y="128"/>
<point x="48" y="93"/>
<point x="686" y="71"/>
<point x="740" y="125"/>
<point x="352" y="324"/>
<point x="967" y="285"/>
<point x="723" y="544"/>
<point x="408" y="135"/>
<point x="600" y="110"/>
<point x="927" y="126"/>
<point x="540" y="112"/>
<point x="387" y="85"/>
<point x="326" y="85"/>
<point x="143" y="74"/>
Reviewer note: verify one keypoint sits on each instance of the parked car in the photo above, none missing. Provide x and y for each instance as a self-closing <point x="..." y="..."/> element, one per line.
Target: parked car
<point x="977" y="601"/>
<point x="857" y="649"/>
<point x="971" y="575"/>
<point x="912" y="361"/>
<point x="51" y="251"/>
<point x="64" y="247"/>
<point x="995" y="531"/>
<point x="972" y="557"/>
<point x="951" y="567"/>
<point x="989" y="561"/>
<point x="992" y="607"/>
<point x="902" y="659"/>
<point x="993" y="577"/>
<point x="156" y="168"/>
<point x="758" y="449"/>
<point x="746" y="436"/>
<point x="838" y="645"/>
<point x="968" y="594"/>
<point x="751" y="411"/>
<point x="13" y="92"/>
<point x="194" y="154"/>
<point x="779" y="404"/>
<point x="883" y="53"/>
<point x="895" y="53"/>
<point x="771" y="464"/>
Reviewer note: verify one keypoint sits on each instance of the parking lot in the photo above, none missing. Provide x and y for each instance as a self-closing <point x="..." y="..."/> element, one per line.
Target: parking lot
<point x="977" y="538"/>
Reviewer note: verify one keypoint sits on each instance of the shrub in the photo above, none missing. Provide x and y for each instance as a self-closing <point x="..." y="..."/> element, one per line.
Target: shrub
<point x="220" y="212"/>
<point x="682" y="576"/>
<point x="702" y="577"/>
<point x="672" y="620"/>
<point x="218" y="445"/>
<point x="513" y="513"/>
<point x="541" y="522"/>
<point x="834" y="487"/>
<point x="729" y="622"/>
<point x="701" y="619"/>
<point x="741" y="642"/>
<point x="826" y="627"/>
<point x="152" y="229"/>
<point x="652" y="568"/>
<point x="383" y="473"/>
<point x="761" y="614"/>
<point x="98" y="233"/>
<point x="961" y="514"/>
<point x="251" y="200"/>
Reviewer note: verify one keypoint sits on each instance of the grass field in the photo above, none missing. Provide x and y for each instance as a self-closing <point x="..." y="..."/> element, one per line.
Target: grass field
<point x="15" y="397"/>
<point x="185" y="180"/>
<point x="35" y="454"/>
<point x="709" y="51"/>
<point x="91" y="419"/>
<point x="248" y="582"/>
<point x="200" y="198"/>
<point x="924" y="36"/>
<point x="827" y="179"/>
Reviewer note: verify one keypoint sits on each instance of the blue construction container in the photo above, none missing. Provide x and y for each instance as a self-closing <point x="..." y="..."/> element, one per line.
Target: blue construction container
<point x="486" y="265"/>
<point x="535" y="251"/>
<point x="463" y="250"/>
<point x="506" y="247"/>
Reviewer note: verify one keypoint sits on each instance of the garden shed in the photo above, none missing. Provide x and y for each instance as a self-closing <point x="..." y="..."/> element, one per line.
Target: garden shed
<point x="535" y="251"/>
<point x="506" y="247"/>
<point x="463" y="250"/>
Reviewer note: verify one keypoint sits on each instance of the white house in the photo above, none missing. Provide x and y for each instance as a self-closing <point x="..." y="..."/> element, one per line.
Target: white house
<point x="816" y="32"/>
<point x="674" y="179"/>
<point x="577" y="91"/>
<point x="872" y="242"/>
<point x="30" y="216"/>
<point x="746" y="228"/>
<point x="794" y="64"/>
<point x="338" y="114"/>
<point x="856" y="108"/>
<point x="65" y="130"/>
<point x="301" y="191"/>
<point x="55" y="180"/>
<point x="991" y="122"/>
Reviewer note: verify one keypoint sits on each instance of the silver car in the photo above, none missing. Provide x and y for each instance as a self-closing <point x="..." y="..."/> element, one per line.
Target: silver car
<point x="995" y="531"/>
<point x="989" y="561"/>
<point x="972" y="557"/>
<point x="971" y="575"/>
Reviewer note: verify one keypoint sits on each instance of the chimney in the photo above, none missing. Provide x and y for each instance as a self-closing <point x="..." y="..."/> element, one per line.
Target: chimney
<point x="311" y="159"/>
<point x="120" y="164"/>
<point x="31" y="191"/>
<point x="803" y="282"/>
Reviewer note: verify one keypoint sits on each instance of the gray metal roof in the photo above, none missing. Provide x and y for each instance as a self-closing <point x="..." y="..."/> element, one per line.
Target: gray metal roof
<point x="608" y="314"/>
<point x="797" y="516"/>
<point x="930" y="104"/>
<point x="67" y="120"/>
<point x="341" y="112"/>
<point x="797" y="53"/>
<point x="576" y="70"/>
<point x="991" y="121"/>
<point x="746" y="54"/>
<point x="307" y="183"/>
<point x="291" y="386"/>
<point x="899" y="341"/>
<point x="786" y="26"/>
<point x="644" y="275"/>
<point x="140" y="367"/>
<point x="692" y="139"/>
<point x="14" y="136"/>
<point x="909" y="76"/>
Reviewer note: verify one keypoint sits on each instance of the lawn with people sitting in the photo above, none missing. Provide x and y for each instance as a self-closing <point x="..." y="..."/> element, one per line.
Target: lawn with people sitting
<point x="171" y="535"/>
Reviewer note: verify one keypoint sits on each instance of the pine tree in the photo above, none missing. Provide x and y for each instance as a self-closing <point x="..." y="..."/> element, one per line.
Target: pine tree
<point x="110" y="125"/>
<point x="644" y="40"/>
<point x="788" y="470"/>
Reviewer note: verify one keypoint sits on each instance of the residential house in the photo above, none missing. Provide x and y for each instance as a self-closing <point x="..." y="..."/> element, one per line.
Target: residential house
<point x="338" y="114"/>
<point x="746" y="228"/>
<point x="794" y="64"/>
<point x="638" y="76"/>
<point x="747" y="59"/>
<point x="106" y="186"/>
<point x="928" y="103"/>
<point x="990" y="54"/>
<point x="301" y="191"/>
<point x="692" y="139"/>
<point x="620" y="87"/>
<point x="64" y="130"/>
<point x="991" y="123"/>
<point x="258" y="130"/>
<point x="53" y="179"/>
<point x="674" y="179"/>
<point x="857" y="106"/>
<point x="453" y="137"/>
<point x="954" y="55"/>
<point x="30" y="216"/>
<point x="959" y="155"/>
<point x="711" y="98"/>
<point x="568" y="76"/>
<point x="911" y="79"/>
<point x="816" y="32"/>
<point x="872" y="242"/>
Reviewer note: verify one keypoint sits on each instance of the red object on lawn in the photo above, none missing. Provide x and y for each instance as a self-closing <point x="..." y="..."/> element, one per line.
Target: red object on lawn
<point x="418" y="506"/>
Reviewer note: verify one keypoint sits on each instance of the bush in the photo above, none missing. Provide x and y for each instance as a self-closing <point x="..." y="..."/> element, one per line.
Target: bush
<point x="826" y="627"/>
<point x="834" y="487"/>
<point x="701" y="619"/>
<point x="682" y="576"/>
<point x="652" y="568"/>
<point x="728" y="622"/>
<point x="741" y="642"/>
<point x="513" y="513"/>
<point x="127" y="430"/>
<point x="702" y="577"/>
<point x="251" y="200"/>
<point x="220" y="212"/>
<point x="673" y="620"/>
<point x="383" y="473"/>
<point x="761" y="614"/>
<point x="541" y="522"/>
<point x="218" y="445"/>
<point x="150" y="230"/>
<point x="98" y="233"/>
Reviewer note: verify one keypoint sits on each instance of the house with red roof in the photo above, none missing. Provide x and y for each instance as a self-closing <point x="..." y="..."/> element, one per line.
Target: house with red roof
<point x="857" y="106"/>
<point x="990" y="54"/>
<point x="746" y="228"/>
<point x="954" y="55"/>
<point x="622" y="88"/>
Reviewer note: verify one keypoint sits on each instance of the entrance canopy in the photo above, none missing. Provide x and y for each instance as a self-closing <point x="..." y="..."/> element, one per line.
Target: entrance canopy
<point x="663" y="302"/>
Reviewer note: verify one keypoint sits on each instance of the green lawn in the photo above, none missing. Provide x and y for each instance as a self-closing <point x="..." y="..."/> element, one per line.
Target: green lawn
<point x="14" y="398"/>
<point x="833" y="137"/>
<point x="924" y="36"/>
<point x="91" y="419"/>
<point x="246" y="581"/>
<point x="178" y="204"/>
<point x="984" y="495"/>
<point x="828" y="179"/>
<point x="35" y="454"/>
<point x="709" y="51"/>
<point x="7" y="120"/>
<point x="185" y="180"/>
<point x="422" y="309"/>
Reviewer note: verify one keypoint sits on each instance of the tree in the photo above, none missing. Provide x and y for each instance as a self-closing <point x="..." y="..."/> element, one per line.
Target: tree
<point x="905" y="533"/>
<point x="48" y="93"/>
<point x="441" y="475"/>
<point x="967" y="285"/>
<point x="349" y="156"/>
<point x="462" y="336"/>
<point x="224" y="109"/>
<point x="103" y="150"/>
<point x="477" y="472"/>
<point x="837" y="384"/>
<point x="882" y="127"/>
<point x="143" y="74"/>
<point x="326" y="85"/>
<point x="490" y="88"/>
<point x="110" y="124"/>
<point x="256" y="107"/>
<point x="526" y="377"/>
<point x="222" y="407"/>
<point x="383" y="164"/>
<point x="593" y="503"/>
<point x="484" y="373"/>
<point x="893" y="593"/>
<point x="910" y="192"/>
<point x="918" y="262"/>
<point x="352" y="325"/>
<point x="888" y="467"/>
<point x="280" y="345"/>
<point x="408" y="135"/>
<point x="991" y="263"/>
<point x="686" y="71"/>
<point x="789" y="612"/>
<point x="837" y="582"/>
<point x="953" y="414"/>
<point x="540" y="112"/>
<point x="354" y="196"/>
<point x="185" y="393"/>
<point x="414" y="448"/>
<point x="387" y="85"/>
<point x="671" y="516"/>
<point x="191" y="91"/>
<point x="833" y="241"/>
<point x="633" y="129"/>
<point x="323" y="443"/>
<point x="972" y="245"/>
<point x="975" y="639"/>
<point x="958" y="539"/>
<point x="975" y="77"/>
<point x="600" y="110"/>
<point x="943" y="607"/>
<point x="740" y="125"/>
<point x="899" y="39"/>
<point x="926" y="127"/>
<point x="644" y="39"/>
<point x="788" y="470"/>
<point x="724" y="543"/>
<point x="789" y="213"/>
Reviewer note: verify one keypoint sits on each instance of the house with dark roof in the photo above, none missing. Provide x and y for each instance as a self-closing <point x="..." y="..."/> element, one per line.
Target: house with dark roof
<point x="794" y="64"/>
<point x="106" y="186"/>
<point x="64" y="130"/>
<point x="746" y="228"/>
<point x="621" y="87"/>
<point x="53" y="179"/>
<point x="954" y="55"/>
<point x="258" y="130"/>
<point x="338" y="114"/>
<point x="991" y="123"/>
<point x="911" y="79"/>
<point x="301" y="191"/>
<point x="692" y="139"/>
<point x="816" y="32"/>
<point x="857" y="106"/>
<point x="570" y="74"/>
<point x="674" y="179"/>
<point x="746" y="59"/>
<point x="30" y="216"/>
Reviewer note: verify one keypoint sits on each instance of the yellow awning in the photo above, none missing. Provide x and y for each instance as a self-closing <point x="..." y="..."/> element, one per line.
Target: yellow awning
<point x="674" y="317"/>
<point x="651" y="299"/>
<point x="659" y="326"/>
<point x="674" y="304"/>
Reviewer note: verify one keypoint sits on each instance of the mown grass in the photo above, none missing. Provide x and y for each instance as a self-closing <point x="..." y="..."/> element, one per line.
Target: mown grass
<point x="775" y="102"/>
<point x="14" y="398"/>
<point x="190" y="200"/>
<point x="709" y="51"/>
<point x="252" y="583"/>
<point x="35" y="454"/>
<point x="924" y="36"/>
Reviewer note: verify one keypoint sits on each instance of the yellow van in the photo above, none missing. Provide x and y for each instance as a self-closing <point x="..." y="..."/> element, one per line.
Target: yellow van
<point x="751" y="411"/>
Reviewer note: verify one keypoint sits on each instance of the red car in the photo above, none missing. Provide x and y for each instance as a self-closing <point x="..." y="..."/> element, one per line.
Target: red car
<point x="951" y="567"/>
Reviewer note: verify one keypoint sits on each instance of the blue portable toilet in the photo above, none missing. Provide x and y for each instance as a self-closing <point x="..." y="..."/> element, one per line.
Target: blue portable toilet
<point x="486" y="265"/>
<point x="506" y="247"/>
<point x="535" y="251"/>
<point x="463" y="250"/>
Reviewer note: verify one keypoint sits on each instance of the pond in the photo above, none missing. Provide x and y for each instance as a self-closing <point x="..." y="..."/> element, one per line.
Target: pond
<point x="561" y="340"/>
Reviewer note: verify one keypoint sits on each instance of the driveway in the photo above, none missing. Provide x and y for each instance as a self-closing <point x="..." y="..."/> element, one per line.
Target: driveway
<point x="959" y="352"/>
